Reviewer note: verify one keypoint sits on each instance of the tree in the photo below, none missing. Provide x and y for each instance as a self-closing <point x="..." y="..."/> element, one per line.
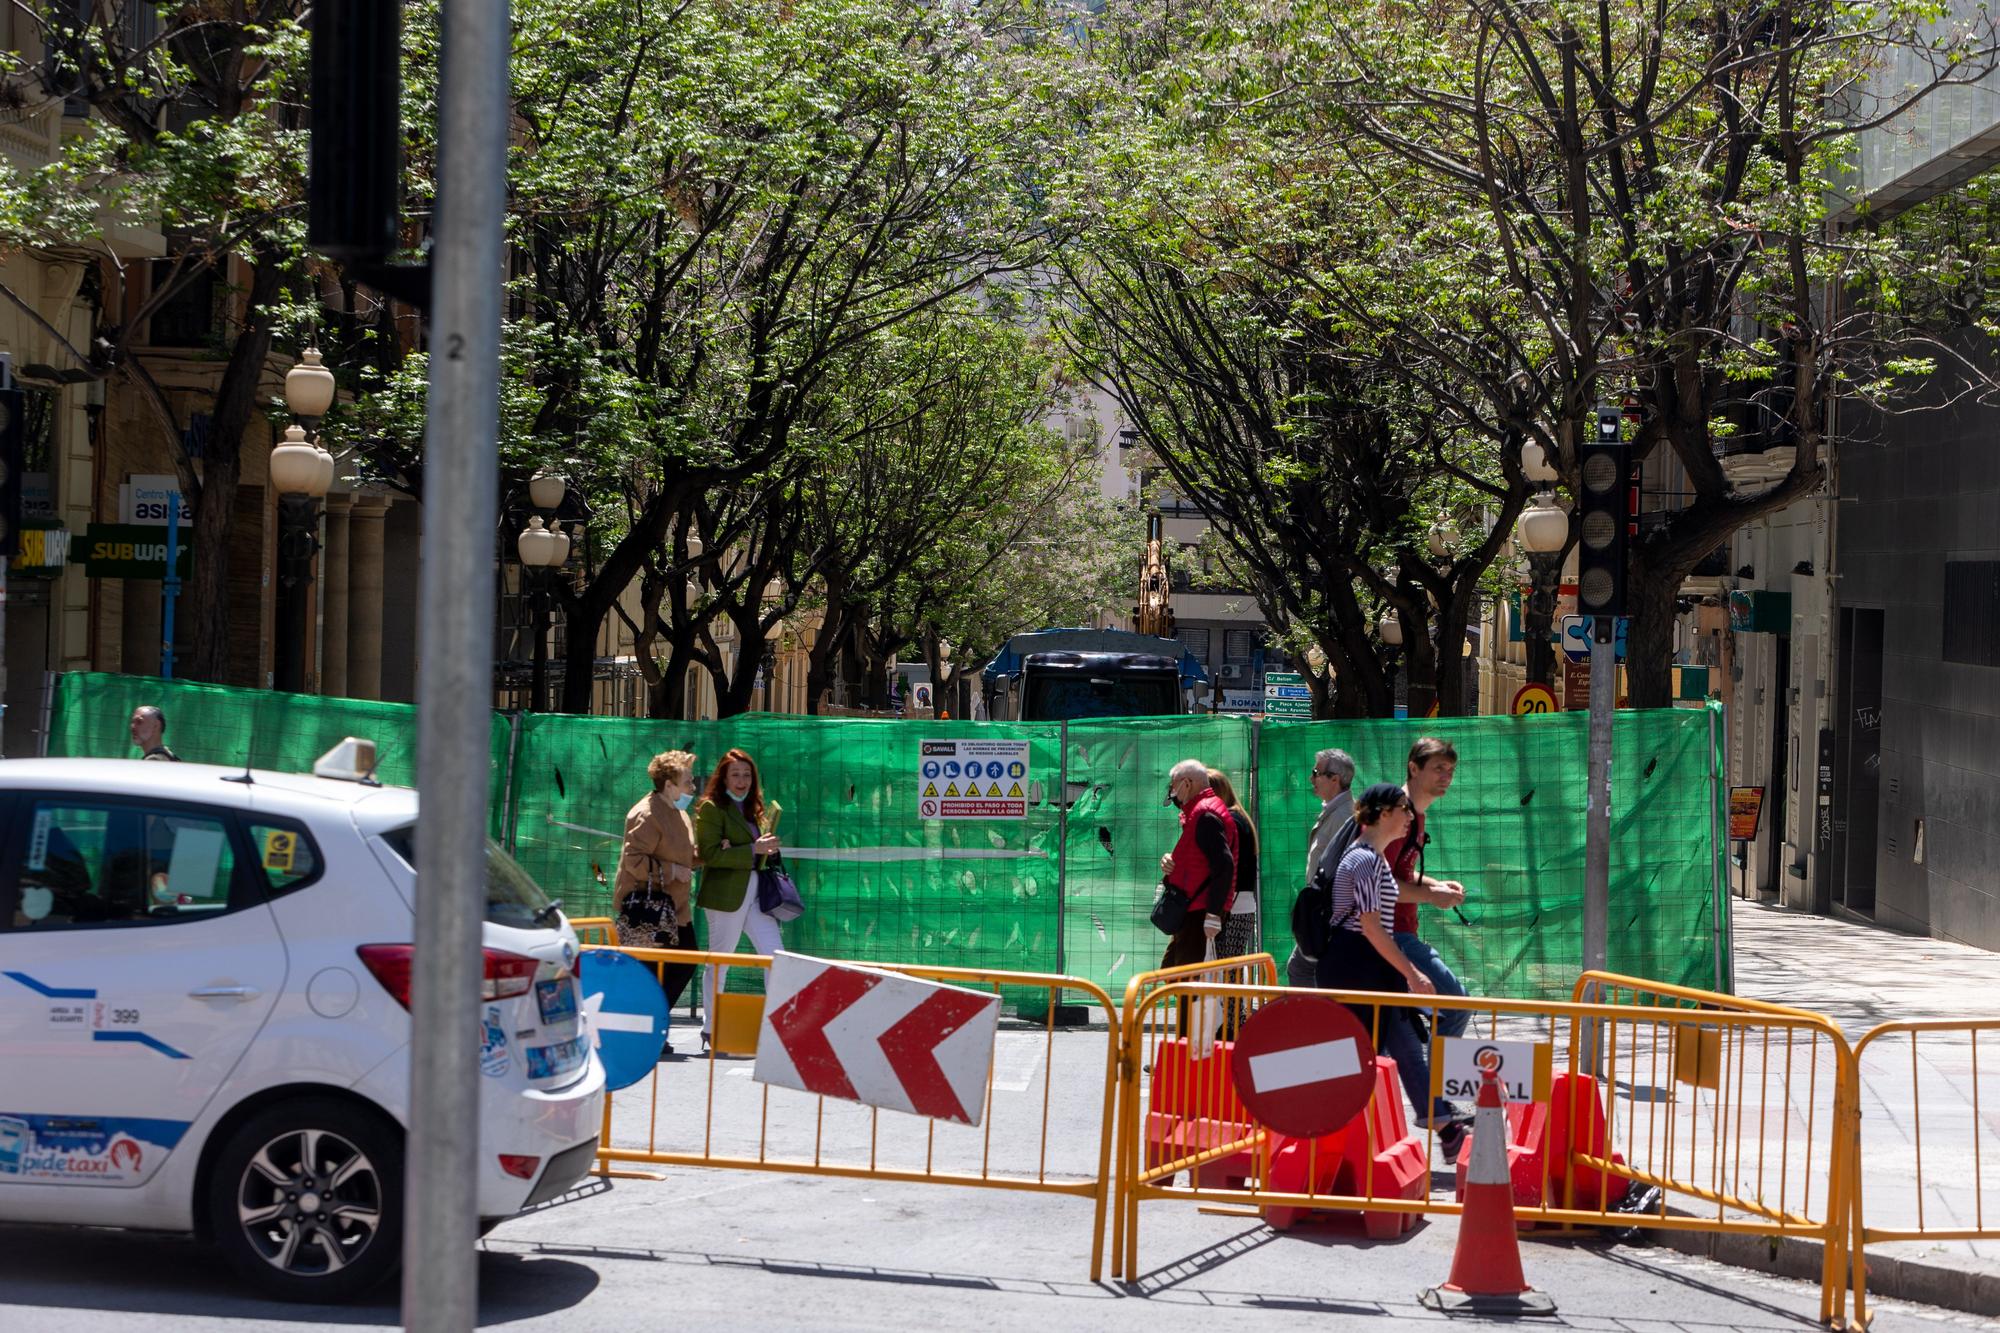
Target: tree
<point x="1323" y="451"/>
<point x="714" y="206"/>
<point x="1655" y="184"/>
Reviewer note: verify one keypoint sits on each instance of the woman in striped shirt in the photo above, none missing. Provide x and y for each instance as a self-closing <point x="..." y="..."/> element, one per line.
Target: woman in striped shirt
<point x="1362" y="954"/>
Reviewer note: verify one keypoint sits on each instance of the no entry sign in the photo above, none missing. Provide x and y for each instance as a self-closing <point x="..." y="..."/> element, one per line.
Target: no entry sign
<point x="1303" y="1066"/>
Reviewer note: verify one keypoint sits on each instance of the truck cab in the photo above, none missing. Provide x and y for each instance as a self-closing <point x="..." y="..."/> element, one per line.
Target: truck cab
<point x="1065" y="675"/>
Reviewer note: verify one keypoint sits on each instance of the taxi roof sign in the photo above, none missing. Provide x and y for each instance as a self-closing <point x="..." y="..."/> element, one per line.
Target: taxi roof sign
<point x="353" y="760"/>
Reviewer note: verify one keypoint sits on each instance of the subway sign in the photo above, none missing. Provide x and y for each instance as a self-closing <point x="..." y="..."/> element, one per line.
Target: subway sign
<point x="130" y="551"/>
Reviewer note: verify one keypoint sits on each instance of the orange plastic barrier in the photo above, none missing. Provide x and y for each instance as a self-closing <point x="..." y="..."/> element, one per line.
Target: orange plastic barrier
<point x="1538" y="1149"/>
<point x="1192" y="1109"/>
<point x="1374" y="1156"/>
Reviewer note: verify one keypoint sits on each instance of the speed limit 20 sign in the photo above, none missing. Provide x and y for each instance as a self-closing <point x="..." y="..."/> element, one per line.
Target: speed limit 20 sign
<point x="1532" y="699"/>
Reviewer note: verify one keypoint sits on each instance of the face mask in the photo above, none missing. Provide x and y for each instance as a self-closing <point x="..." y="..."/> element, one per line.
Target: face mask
<point x="684" y="800"/>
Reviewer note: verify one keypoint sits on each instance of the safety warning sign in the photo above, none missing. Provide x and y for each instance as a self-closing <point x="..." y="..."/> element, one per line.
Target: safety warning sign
<point x="973" y="779"/>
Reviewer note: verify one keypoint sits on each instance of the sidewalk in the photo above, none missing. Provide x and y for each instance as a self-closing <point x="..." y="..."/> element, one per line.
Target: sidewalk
<point x="1860" y="976"/>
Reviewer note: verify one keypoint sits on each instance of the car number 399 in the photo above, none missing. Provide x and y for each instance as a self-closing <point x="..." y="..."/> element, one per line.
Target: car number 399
<point x="111" y="1016"/>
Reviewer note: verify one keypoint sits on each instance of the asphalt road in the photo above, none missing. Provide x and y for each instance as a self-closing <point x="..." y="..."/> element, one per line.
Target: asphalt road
<point x="725" y="1250"/>
<point x="719" y="1249"/>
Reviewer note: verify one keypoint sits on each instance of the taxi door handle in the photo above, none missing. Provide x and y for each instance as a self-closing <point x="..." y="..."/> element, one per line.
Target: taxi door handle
<point x="226" y="993"/>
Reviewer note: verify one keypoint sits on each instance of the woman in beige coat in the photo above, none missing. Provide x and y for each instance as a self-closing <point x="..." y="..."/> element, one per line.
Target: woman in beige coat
<point x="652" y="899"/>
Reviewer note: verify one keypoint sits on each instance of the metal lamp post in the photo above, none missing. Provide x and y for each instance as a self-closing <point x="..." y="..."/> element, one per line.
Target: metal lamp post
<point x="1541" y="531"/>
<point x="542" y="550"/>
<point x="301" y="472"/>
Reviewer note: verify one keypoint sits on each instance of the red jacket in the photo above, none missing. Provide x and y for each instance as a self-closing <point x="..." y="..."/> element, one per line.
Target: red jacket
<point x="1206" y="874"/>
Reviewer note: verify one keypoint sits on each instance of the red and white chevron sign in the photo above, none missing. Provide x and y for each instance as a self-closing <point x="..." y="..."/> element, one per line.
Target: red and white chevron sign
<point x="876" y="1038"/>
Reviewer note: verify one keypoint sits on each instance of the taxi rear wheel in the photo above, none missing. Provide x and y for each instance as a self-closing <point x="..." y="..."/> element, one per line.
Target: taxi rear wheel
<point x="306" y="1200"/>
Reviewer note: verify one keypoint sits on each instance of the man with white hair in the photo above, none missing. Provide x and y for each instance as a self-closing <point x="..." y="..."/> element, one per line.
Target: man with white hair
<point x="149" y="732"/>
<point x="1202" y="864"/>
<point x="1333" y="783"/>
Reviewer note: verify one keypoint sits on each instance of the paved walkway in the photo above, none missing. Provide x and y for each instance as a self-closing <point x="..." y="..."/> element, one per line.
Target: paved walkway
<point x="1930" y="1112"/>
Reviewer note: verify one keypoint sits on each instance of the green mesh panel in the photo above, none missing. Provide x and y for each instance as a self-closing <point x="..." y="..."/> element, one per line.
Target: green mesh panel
<point x="1511" y="830"/>
<point x="221" y="724"/>
<point x="1120" y="824"/>
<point x="882" y="883"/>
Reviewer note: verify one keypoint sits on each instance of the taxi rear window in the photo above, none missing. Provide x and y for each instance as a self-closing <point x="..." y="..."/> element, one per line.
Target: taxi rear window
<point x="512" y="896"/>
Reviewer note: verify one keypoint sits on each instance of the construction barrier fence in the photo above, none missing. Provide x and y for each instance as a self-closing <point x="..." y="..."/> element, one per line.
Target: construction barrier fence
<point x="1928" y="1174"/>
<point x="1064" y="883"/>
<point x="1714" y="1119"/>
<point x="1025" y="1140"/>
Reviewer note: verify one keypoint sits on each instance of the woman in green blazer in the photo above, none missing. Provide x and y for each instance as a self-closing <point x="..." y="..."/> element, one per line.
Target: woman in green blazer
<point x="734" y="829"/>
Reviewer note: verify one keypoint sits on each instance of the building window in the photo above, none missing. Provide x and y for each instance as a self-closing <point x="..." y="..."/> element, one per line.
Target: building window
<point x="1972" y="614"/>
<point x="1195" y="640"/>
<point x="1238" y="645"/>
<point x="187" y="319"/>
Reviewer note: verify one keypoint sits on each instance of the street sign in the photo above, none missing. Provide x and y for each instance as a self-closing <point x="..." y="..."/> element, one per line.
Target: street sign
<point x="1303" y="1066"/>
<point x="1746" y="812"/>
<point x="1523" y="1067"/>
<point x="1576" y="686"/>
<point x="1576" y="635"/>
<point x="626" y="1012"/>
<point x="876" y="1038"/>
<point x="1287" y="696"/>
<point x="1531" y="699"/>
<point x="964" y="779"/>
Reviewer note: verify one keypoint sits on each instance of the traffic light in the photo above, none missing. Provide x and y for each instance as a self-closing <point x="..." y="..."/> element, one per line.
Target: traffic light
<point x="13" y="451"/>
<point x="1606" y="511"/>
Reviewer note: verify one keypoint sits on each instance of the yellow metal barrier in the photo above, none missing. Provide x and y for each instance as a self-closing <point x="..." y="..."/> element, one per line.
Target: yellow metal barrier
<point x="1203" y="1091"/>
<point x="1947" y="1067"/>
<point x="594" y="930"/>
<point x="1740" y="1116"/>
<point x="789" y="1131"/>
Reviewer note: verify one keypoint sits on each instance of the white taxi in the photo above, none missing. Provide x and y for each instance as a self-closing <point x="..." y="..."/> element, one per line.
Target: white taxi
<point x="204" y="1025"/>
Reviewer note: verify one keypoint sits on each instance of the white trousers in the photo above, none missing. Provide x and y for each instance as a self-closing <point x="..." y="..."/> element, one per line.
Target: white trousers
<point x="724" y="930"/>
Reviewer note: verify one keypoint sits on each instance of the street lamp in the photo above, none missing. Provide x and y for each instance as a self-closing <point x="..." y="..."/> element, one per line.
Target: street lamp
<point x="546" y="489"/>
<point x="301" y="472"/>
<point x="542" y="551"/>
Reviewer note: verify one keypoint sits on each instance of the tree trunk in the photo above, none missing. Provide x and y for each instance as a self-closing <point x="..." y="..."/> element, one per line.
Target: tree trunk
<point x="206" y="593"/>
<point x="1538" y="619"/>
<point x="1650" y="597"/>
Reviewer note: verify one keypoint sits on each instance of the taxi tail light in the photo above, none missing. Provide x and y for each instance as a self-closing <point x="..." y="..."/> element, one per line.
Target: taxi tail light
<point x="514" y="1164"/>
<point x="506" y="974"/>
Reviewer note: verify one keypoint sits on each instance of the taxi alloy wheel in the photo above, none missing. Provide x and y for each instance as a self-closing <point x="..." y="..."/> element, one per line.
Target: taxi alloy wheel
<point x="310" y="1202"/>
<point x="307" y="1200"/>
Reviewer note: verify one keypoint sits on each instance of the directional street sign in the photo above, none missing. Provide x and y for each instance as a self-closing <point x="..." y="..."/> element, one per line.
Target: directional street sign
<point x="1576" y="633"/>
<point x="1303" y="1066"/>
<point x="1286" y="696"/>
<point x="626" y="1012"/>
<point x="876" y="1038"/>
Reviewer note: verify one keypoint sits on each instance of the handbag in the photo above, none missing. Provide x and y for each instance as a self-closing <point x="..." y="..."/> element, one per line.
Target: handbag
<point x="778" y="894"/>
<point x="1170" y="909"/>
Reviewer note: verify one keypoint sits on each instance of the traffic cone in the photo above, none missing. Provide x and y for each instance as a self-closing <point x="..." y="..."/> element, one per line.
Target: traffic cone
<point x="1486" y="1265"/>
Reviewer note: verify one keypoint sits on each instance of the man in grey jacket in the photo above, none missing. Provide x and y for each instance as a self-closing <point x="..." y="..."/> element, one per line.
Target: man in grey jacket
<point x="1333" y="783"/>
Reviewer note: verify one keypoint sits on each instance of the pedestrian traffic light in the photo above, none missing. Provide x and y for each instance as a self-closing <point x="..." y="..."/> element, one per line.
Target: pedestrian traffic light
<point x="1605" y="513"/>
<point x="13" y="458"/>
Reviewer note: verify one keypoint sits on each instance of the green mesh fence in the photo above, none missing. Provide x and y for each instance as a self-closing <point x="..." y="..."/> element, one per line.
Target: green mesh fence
<point x="880" y="882"/>
<point x="1068" y="887"/>
<point x="220" y="724"/>
<point x="1120" y="823"/>
<point x="1511" y="829"/>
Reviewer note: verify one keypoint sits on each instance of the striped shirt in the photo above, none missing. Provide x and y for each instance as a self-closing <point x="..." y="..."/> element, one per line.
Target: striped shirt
<point x="1363" y="882"/>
